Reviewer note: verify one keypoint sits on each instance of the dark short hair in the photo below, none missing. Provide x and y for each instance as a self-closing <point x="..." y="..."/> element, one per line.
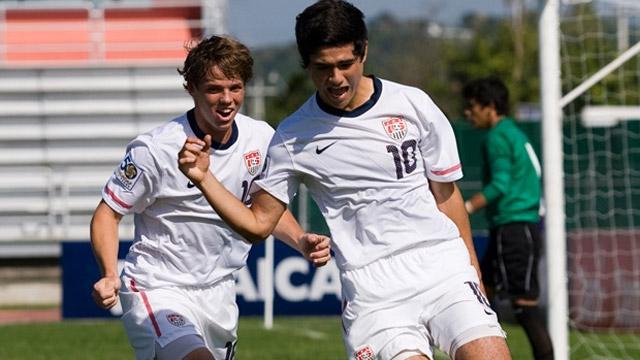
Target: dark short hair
<point x="330" y="23"/>
<point x="231" y="56"/>
<point x="487" y="91"/>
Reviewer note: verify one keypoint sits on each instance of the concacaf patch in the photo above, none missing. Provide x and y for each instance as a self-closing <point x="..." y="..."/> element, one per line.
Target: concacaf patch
<point x="395" y="127"/>
<point x="128" y="173"/>
<point x="252" y="160"/>
<point x="364" y="353"/>
<point x="176" y="320"/>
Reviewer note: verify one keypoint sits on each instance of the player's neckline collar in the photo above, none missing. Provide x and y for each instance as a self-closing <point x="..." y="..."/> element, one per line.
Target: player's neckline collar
<point x="377" y="90"/>
<point x="200" y="134"/>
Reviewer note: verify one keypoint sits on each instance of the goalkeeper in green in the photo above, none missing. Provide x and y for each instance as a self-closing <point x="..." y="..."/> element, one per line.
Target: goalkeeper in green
<point x="511" y="196"/>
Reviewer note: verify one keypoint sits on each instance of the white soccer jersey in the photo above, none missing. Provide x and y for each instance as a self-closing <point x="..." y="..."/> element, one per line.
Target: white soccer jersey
<point x="368" y="169"/>
<point x="179" y="239"/>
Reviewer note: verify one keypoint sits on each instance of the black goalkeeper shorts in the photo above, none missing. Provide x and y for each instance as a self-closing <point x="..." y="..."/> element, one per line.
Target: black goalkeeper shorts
<point x="510" y="265"/>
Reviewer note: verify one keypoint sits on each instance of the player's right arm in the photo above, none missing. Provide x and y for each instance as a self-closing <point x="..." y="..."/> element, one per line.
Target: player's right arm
<point x="104" y="241"/>
<point x="315" y="248"/>
<point x="254" y="223"/>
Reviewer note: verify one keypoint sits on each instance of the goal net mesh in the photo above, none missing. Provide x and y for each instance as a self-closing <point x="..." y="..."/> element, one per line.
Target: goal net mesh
<point x="602" y="180"/>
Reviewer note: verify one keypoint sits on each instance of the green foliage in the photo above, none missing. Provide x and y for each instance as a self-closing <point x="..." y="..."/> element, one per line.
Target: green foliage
<point x="299" y="88"/>
<point x="491" y="52"/>
<point x="488" y="53"/>
<point x="584" y="54"/>
<point x="283" y="60"/>
<point x="402" y="51"/>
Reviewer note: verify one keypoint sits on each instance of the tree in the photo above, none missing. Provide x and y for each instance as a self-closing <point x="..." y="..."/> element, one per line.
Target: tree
<point x="491" y="51"/>
<point x="296" y="92"/>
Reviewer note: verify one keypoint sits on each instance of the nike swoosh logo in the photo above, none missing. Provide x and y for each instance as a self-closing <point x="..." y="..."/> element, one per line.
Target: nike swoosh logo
<point x="191" y="185"/>
<point x="321" y="150"/>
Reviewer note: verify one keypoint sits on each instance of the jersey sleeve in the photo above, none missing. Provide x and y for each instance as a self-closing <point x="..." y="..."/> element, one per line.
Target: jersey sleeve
<point x="131" y="186"/>
<point x="279" y="177"/>
<point x="438" y="145"/>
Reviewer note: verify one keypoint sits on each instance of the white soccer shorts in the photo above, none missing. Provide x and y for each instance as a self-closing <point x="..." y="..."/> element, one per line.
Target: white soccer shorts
<point x="164" y="315"/>
<point x="414" y="300"/>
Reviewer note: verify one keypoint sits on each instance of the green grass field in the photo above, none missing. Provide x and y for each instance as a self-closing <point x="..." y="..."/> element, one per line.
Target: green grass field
<point x="292" y="338"/>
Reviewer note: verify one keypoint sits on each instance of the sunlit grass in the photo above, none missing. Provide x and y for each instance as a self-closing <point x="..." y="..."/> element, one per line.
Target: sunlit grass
<point x="291" y="338"/>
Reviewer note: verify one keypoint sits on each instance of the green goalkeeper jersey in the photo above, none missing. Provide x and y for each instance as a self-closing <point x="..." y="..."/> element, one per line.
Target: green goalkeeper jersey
<point x="511" y="182"/>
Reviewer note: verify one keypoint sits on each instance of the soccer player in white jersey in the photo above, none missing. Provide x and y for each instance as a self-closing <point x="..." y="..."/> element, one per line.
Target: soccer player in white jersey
<point x="177" y="287"/>
<point x="380" y="160"/>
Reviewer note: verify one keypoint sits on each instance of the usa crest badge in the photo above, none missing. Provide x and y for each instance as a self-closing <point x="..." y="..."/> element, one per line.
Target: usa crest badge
<point x="252" y="160"/>
<point x="395" y="127"/>
<point x="176" y="320"/>
<point x="364" y="353"/>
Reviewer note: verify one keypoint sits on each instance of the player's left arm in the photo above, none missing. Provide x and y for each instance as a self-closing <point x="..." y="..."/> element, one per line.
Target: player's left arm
<point x="449" y="201"/>
<point x="313" y="247"/>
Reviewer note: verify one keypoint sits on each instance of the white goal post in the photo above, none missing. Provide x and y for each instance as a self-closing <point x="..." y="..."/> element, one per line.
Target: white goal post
<point x="550" y="86"/>
<point x="590" y="95"/>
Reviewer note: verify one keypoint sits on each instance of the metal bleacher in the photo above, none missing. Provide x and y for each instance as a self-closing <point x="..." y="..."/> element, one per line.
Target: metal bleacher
<point x="78" y="80"/>
<point x="62" y="132"/>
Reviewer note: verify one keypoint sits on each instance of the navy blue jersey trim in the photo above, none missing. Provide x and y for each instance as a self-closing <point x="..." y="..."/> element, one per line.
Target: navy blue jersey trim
<point x="194" y="124"/>
<point x="377" y="90"/>
<point x="200" y="134"/>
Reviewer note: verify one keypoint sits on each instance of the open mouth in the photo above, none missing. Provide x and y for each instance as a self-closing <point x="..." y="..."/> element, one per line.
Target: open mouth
<point x="338" y="92"/>
<point x="225" y="113"/>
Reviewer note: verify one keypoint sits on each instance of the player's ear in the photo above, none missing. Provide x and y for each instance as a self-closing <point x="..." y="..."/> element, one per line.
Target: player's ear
<point x="494" y="110"/>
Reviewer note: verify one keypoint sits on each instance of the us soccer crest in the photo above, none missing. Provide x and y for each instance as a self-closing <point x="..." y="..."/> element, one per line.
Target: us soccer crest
<point x="365" y="353"/>
<point x="252" y="160"/>
<point x="176" y="320"/>
<point x="395" y="127"/>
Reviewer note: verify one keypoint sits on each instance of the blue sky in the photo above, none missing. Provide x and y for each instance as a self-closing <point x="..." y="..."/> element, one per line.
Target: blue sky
<point x="267" y="22"/>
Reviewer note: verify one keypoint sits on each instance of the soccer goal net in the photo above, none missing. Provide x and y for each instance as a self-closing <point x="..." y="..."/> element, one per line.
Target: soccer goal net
<point x="595" y="182"/>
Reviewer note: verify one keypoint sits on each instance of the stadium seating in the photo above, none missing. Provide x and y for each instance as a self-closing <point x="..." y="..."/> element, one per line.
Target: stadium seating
<point x="62" y="132"/>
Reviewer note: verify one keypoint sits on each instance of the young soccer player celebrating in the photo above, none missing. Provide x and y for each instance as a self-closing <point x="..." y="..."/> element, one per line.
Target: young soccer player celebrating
<point x="380" y="160"/>
<point x="177" y="287"/>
